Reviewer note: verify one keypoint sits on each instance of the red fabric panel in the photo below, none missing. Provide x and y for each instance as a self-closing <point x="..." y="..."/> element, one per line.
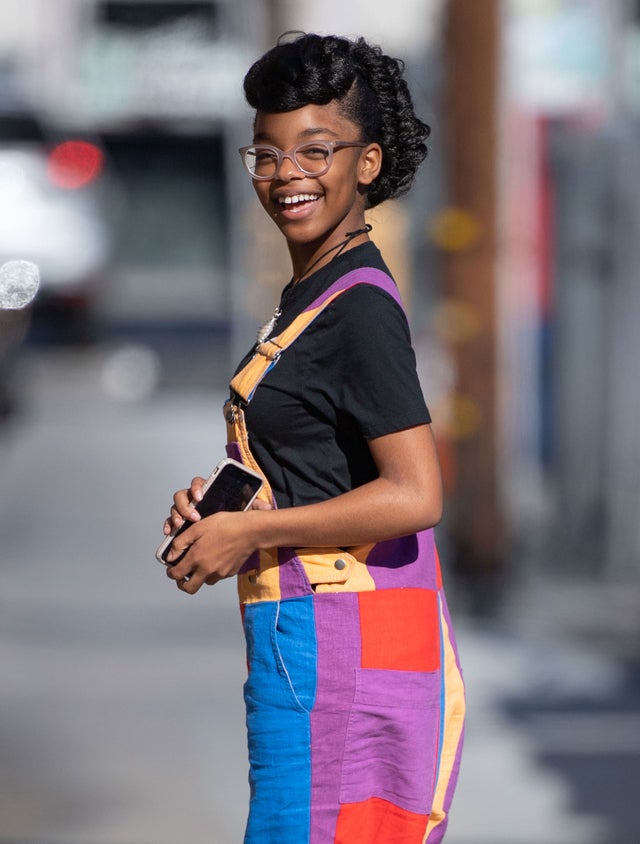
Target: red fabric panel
<point x="399" y="629"/>
<point x="377" y="820"/>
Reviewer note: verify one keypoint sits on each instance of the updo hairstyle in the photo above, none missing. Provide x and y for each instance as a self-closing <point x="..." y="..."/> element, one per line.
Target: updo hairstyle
<point x="369" y="88"/>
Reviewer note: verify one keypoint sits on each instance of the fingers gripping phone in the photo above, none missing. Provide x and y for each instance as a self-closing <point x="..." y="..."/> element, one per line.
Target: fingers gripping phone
<point x="230" y="487"/>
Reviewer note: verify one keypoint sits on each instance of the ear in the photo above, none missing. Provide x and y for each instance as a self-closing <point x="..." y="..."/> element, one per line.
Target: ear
<point x="370" y="164"/>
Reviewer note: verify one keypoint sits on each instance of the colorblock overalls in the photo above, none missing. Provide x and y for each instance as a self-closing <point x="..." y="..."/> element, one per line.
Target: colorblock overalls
<point x="354" y="696"/>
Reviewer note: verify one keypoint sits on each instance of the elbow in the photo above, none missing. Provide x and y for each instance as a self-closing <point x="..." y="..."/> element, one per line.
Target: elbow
<point x="431" y="509"/>
<point x="424" y="514"/>
<point x="431" y="516"/>
<point x="436" y="516"/>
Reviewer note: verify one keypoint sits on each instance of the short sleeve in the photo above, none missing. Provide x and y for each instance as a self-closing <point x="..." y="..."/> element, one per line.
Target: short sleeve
<point x="376" y="379"/>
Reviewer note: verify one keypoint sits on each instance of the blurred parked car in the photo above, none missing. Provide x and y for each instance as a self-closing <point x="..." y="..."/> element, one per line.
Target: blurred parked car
<point x="51" y="213"/>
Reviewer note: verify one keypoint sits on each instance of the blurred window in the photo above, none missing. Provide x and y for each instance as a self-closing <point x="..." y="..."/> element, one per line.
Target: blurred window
<point x="20" y="128"/>
<point x="136" y="15"/>
<point x="170" y="257"/>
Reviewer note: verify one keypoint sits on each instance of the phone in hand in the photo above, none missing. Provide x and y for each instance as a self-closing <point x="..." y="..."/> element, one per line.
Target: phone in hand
<point x="230" y="487"/>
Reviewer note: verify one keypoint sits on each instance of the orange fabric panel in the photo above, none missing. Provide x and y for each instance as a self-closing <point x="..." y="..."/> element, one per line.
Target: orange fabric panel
<point x="399" y="629"/>
<point x="377" y="821"/>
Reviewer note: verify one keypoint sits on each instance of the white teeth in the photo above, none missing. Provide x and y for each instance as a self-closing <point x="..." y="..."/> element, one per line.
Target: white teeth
<point x="299" y="197"/>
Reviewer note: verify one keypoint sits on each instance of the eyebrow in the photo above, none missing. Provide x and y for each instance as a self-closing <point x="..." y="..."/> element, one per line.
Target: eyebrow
<point x="306" y="133"/>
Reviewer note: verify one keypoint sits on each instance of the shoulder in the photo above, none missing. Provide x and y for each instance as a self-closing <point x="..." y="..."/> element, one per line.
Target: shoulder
<point x="369" y="308"/>
<point x="373" y="284"/>
<point x="373" y="295"/>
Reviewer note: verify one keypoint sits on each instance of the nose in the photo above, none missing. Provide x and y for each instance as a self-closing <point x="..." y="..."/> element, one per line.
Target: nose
<point x="291" y="171"/>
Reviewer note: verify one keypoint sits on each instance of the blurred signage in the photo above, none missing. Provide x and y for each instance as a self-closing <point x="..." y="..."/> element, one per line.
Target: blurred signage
<point x="408" y="27"/>
<point x="172" y="70"/>
<point x="560" y="53"/>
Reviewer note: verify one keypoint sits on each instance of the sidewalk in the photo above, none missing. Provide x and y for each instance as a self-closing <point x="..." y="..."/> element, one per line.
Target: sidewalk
<point x="506" y="793"/>
<point x="121" y="706"/>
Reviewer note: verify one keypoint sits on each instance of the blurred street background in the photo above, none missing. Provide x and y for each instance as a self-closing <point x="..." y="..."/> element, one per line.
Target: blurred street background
<point x="518" y="255"/>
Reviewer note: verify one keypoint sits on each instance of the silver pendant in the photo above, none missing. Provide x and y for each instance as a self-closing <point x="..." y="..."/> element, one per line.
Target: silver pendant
<point x="265" y="330"/>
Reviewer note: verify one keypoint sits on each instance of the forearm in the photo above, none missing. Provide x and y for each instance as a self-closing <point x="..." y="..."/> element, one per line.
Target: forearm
<point x="405" y="497"/>
<point x="374" y="512"/>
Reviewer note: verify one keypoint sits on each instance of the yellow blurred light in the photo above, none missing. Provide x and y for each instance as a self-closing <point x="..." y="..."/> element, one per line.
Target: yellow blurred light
<point x="461" y="419"/>
<point x="454" y="229"/>
<point x="455" y="322"/>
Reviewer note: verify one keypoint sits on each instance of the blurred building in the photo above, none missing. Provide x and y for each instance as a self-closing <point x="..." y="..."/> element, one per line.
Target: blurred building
<point x="570" y="283"/>
<point x="155" y="86"/>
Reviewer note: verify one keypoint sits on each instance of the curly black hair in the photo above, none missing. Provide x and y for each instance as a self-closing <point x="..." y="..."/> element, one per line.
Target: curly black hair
<point x="369" y="87"/>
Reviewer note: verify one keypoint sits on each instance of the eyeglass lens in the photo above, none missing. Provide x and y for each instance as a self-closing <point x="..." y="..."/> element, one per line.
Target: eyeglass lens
<point x="310" y="158"/>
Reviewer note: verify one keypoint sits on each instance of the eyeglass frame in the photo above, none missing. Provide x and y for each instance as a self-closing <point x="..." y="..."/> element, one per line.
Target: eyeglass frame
<point x="291" y="155"/>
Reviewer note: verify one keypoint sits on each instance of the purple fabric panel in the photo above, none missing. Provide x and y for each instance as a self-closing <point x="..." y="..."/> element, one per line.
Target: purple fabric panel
<point x="437" y="834"/>
<point x="367" y="275"/>
<point x="339" y="656"/>
<point x="294" y="582"/>
<point x="392" y="739"/>
<point x="233" y="450"/>
<point x="251" y="563"/>
<point x="409" y="561"/>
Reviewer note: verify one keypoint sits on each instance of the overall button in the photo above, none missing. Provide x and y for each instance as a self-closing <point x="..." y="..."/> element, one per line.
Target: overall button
<point x="340" y="564"/>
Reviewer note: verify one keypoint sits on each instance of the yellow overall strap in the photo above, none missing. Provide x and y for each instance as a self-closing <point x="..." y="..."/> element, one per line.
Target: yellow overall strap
<point x="267" y="354"/>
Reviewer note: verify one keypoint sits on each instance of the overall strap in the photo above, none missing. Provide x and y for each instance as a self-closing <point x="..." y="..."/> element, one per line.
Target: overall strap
<point x="267" y="353"/>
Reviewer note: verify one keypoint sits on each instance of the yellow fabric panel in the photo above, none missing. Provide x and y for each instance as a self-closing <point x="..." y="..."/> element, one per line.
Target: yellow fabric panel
<point x="453" y="715"/>
<point x="263" y="584"/>
<point x="325" y="576"/>
<point x="237" y="433"/>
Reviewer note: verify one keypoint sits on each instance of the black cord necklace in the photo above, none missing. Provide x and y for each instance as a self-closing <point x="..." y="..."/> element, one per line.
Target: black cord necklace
<point x="264" y="332"/>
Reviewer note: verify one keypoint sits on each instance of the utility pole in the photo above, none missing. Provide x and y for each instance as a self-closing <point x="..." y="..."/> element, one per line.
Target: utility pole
<point x="472" y="35"/>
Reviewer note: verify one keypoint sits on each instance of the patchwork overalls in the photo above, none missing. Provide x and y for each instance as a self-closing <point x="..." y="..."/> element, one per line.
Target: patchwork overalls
<point x="354" y="697"/>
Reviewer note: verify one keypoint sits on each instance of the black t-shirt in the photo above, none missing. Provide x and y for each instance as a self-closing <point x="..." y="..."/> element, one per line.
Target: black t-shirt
<point x="348" y="378"/>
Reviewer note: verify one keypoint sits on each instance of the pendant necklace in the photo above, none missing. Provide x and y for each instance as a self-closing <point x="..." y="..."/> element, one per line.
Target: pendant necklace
<point x="264" y="332"/>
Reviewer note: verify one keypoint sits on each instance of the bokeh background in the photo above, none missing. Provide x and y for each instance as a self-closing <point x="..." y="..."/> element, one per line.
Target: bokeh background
<point x="518" y="255"/>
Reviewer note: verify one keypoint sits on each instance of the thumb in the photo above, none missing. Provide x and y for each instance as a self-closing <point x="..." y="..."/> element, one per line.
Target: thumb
<point x="259" y="504"/>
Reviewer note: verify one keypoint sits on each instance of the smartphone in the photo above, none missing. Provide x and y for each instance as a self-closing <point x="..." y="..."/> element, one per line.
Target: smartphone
<point x="231" y="486"/>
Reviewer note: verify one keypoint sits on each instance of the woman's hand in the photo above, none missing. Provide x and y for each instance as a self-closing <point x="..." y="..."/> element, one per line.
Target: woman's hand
<point x="209" y="550"/>
<point x="183" y="508"/>
<point x="214" y="547"/>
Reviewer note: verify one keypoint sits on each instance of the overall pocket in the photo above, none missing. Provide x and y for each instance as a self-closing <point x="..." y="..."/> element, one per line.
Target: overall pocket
<point x="294" y="648"/>
<point x="334" y="570"/>
<point x="391" y="744"/>
<point x="281" y="655"/>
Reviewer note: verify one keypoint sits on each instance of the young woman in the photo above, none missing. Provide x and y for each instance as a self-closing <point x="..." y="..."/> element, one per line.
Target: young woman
<point x="355" y="702"/>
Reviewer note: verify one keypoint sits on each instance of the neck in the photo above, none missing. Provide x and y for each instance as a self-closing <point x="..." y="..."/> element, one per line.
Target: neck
<point x="308" y="260"/>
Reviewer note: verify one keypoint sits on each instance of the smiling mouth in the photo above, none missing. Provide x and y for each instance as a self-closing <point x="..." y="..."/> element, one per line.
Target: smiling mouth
<point x="298" y="201"/>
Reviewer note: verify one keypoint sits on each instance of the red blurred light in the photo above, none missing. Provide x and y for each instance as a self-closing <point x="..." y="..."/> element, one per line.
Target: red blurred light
<point x="74" y="164"/>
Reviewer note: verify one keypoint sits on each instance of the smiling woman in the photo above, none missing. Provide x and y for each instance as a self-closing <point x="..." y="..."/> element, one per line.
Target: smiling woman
<point x="355" y="700"/>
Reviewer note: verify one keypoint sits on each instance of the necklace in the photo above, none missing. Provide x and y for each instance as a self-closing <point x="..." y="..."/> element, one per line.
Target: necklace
<point x="264" y="332"/>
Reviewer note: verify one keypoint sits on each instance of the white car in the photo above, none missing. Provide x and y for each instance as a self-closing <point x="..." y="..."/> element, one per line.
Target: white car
<point x="51" y="210"/>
